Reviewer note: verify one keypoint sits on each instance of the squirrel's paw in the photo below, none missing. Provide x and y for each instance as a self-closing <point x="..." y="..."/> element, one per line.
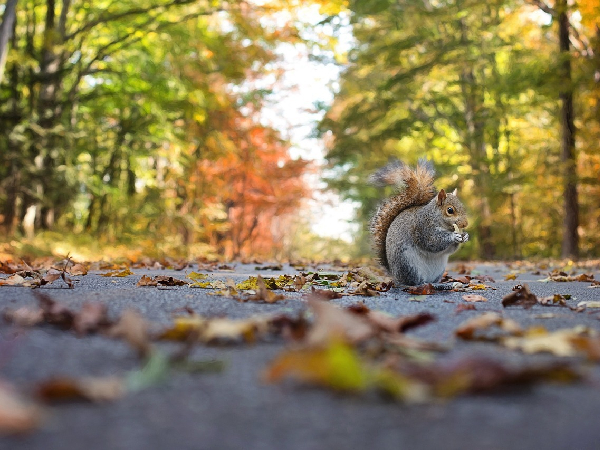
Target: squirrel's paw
<point x="459" y="238"/>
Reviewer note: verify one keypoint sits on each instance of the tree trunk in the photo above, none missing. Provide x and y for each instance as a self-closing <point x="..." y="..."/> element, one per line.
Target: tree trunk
<point x="476" y="145"/>
<point x="570" y="242"/>
<point x="6" y="30"/>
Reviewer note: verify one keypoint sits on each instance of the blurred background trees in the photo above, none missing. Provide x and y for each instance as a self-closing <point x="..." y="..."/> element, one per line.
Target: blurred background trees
<point x="493" y="92"/>
<point x="141" y="122"/>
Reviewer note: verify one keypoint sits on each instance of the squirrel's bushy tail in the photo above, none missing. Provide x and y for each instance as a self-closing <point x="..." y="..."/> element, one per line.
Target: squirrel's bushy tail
<point x="415" y="188"/>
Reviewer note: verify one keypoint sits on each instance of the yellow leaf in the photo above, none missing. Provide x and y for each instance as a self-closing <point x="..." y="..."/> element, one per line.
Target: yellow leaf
<point x="117" y="273"/>
<point x="195" y="276"/>
<point x="336" y="366"/>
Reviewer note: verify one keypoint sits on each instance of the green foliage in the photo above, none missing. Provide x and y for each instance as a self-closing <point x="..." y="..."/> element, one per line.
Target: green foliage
<point x="473" y="87"/>
<point x="110" y="114"/>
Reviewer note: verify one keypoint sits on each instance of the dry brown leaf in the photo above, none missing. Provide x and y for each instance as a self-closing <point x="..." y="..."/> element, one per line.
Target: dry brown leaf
<point x="55" y="313"/>
<point x="164" y="280"/>
<point x="17" y="415"/>
<point x="291" y="328"/>
<point x="95" y="389"/>
<point x="13" y="280"/>
<point x="521" y="296"/>
<point x="424" y="289"/>
<point x="324" y="294"/>
<point x="78" y="269"/>
<point x="147" y="281"/>
<point x="333" y="323"/>
<point x="468" y="329"/>
<point x="481" y="374"/>
<point x="365" y="288"/>
<point x="92" y="317"/>
<point x="390" y="324"/>
<point x="474" y="298"/>
<point x="25" y="316"/>
<point x="554" y="300"/>
<point x="565" y="342"/>
<point x="132" y="327"/>
<point x="51" y="276"/>
<point x="464" y="307"/>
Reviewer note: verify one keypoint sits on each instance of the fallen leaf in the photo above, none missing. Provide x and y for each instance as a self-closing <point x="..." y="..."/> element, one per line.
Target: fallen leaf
<point x="469" y="329"/>
<point x="482" y="374"/>
<point x="554" y="300"/>
<point x="155" y="370"/>
<point x="25" y="316"/>
<point x="56" y="313"/>
<point x="358" y="308"/>
<point x="51" y="276"/>
<point x="92" y="317"/>
<point x="272" y="267"/>
<point x="338" y="366"/>
<point x="195" y="276"/>
<point x="478" y="287"/>
<point x="17" y="415"/>
<point x="563" y="277"/>
<point x="538" y="339"/>
<point x="334" y="323"/>
<point x="291" y="328"/>
<point x="324" y="294"/>
<point x="13" y="280"/>
<point x="163" y="280"/>
<point x="216" y="330"/>
<point x="95" y="389"/>
<point x="545" y="316"/>
<point x="132" y="327"/>
<point x="464" y="307"/>
<point x="484" y="278"/>
<point x="424" y="289"/>
<point x="263" y="293"/>
<point x="590" y="304"/>
<point x="335" y="366"/>
<point x="510" y="276"/>
<point x="385" y="322"/>
<point x="78" y="269"/>
<point x="474" y="298"/>
<point x="117" y="273"/>
<point x="146" y="281"/>
<point x="366" y="289"/>
<point x="521" y="296"/>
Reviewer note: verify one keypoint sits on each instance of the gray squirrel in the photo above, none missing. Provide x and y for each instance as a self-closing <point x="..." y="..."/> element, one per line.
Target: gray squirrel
<point x="415" y="231"/>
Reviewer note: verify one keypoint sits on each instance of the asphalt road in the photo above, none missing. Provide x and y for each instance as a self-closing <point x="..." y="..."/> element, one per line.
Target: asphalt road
<point x="234" y="409"/>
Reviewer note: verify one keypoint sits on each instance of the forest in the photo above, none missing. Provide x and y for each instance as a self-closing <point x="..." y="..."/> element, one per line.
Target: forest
<point x="140" y="125"/>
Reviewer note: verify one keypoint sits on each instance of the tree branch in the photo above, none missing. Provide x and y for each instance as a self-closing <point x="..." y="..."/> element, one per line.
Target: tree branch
<point x="545" y="7"/>
<point x="133" y="12"/>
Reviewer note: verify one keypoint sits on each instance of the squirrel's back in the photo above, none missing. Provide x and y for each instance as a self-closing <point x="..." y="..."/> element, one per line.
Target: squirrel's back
<point x="415" y="188"/>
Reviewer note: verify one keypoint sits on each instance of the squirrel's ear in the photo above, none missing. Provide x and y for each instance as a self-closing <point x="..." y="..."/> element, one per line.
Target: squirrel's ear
<point x="455" y="192"/>
<point x="441" y="197"/>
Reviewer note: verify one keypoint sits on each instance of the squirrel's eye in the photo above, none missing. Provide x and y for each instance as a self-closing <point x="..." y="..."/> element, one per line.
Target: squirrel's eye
<point x="450" y="210"/>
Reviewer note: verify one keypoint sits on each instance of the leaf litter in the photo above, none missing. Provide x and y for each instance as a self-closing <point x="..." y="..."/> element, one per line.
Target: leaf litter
<point x="350" y="349"/>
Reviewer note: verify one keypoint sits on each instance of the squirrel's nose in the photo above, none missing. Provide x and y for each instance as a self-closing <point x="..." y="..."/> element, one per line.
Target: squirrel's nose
<point x="463" y="223"/>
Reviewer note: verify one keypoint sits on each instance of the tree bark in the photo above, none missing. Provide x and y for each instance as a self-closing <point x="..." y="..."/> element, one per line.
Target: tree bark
<point x="6" y="30"/>
<point x="570" y="241"/>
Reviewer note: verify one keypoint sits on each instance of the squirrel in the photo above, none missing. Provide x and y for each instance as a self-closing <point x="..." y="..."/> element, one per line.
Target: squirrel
<point x="415" y="231"/>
